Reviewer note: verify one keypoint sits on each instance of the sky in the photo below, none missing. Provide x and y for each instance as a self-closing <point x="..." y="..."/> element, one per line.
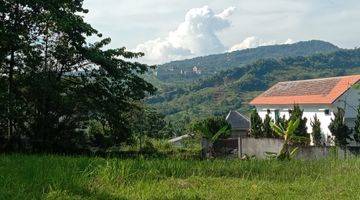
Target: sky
<point x="167" y="30"/>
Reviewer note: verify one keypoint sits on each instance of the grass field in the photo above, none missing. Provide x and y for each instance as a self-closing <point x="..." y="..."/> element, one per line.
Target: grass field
<point x="57" y="177"/>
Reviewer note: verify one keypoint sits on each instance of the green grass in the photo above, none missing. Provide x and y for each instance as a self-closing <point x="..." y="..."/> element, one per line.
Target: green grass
<point x="58" y="177"/>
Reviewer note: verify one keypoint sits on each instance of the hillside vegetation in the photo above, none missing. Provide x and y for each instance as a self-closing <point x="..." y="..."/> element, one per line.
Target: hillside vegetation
<point x="58" y="177"/>
<point x="233" y="89"/>
<point x="181" y="71"/>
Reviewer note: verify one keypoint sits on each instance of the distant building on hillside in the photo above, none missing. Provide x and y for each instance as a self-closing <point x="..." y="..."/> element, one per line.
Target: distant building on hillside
<point x="196" y="70"/>
<point x="319" y="97"/>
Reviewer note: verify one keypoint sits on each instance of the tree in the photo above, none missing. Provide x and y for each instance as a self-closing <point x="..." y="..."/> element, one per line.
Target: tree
<point x="256" y="129"/>
<point x="212" y="129"/>
<point x="316" y="131"/>
<point x="58" y="81"/>
<point x="357" y="126"/>
<point x="288" y="134"/>
<point x="15" y="25"/>
<point x="268" y="131"/>
<point x="339" y="129"/>
<point x="301" y="130"/>
<point x="147" y="122"/>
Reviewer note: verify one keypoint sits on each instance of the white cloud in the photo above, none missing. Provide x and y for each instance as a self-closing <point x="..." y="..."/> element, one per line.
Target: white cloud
<point x="162" y="50"/>
<point x="252" y="42"/>
<point x="195" y="36"/>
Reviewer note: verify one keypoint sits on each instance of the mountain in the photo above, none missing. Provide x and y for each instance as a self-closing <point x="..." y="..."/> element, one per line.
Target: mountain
<point x="183" y="71"/>
<point x="233" y="89"/>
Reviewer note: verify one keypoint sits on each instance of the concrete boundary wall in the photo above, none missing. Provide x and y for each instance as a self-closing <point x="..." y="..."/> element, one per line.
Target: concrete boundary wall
<point x="259" y="147"/>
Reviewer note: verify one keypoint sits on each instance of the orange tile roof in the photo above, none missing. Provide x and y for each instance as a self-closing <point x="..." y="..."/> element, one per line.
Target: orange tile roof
<point x="313" y="91"/>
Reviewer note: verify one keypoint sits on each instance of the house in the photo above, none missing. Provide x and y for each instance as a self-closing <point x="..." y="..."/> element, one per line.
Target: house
<point x="319" y="97"/>
<point x="240" y="124"/>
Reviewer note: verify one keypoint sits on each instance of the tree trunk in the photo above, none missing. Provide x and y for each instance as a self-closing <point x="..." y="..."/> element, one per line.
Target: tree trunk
<point x="11" y="94"/>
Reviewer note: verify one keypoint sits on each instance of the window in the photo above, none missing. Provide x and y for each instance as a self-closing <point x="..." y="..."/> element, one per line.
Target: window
<point x="277" y="115"/>
<point x="327" y="112"/>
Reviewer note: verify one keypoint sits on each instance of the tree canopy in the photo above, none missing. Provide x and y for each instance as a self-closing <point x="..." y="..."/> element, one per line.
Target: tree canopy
<point x="54" y="81"/>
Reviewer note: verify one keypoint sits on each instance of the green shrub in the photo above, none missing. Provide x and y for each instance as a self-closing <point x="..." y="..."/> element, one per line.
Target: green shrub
<point x="316" y="131"/>
<point x="339" y="129"/>
<point x="256" y="129"/>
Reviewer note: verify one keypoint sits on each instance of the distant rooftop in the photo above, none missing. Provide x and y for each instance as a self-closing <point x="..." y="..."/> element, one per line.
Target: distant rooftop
<point x="237" y="120"/>
<point x="312" y="91"/>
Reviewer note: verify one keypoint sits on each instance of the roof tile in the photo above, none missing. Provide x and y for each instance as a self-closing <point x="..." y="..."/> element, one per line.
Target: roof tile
<point x="313" y="91"/>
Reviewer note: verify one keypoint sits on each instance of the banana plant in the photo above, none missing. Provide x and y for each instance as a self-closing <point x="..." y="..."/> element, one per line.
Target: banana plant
<point x="210" y="136"/>
<point x="286" y="153"/>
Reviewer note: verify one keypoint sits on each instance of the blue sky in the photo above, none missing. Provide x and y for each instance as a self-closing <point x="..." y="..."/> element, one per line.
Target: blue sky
<point x="176" y="29"/>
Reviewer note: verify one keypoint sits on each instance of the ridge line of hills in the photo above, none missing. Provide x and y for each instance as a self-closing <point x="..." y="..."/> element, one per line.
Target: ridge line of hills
<point x="233" y="88"/>
<point x="181" y="71"/>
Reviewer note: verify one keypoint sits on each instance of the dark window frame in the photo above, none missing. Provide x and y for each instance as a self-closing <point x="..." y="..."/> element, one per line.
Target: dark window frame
<point x="327" y="111"/>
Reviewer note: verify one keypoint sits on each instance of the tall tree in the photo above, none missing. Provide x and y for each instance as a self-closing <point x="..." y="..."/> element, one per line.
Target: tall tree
<point x="301" y="130"/>
<point x="339" y="129"/>
<point x="256" y="129"/>
<point x="268" y="131"/>
<point x="15" y="25"/>
<point x="62" y="81"/>
<point x="316" y="131"/>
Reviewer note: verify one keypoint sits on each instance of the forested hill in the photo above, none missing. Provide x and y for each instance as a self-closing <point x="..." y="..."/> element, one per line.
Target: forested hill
<point x="182" y="71"/>
<point x="232" y="89"/>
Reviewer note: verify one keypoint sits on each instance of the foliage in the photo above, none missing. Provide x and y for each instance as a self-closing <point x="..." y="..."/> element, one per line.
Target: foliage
<point x="357" y="126"/>
<point x="256" y="125"/>
<point x="98" y="134"/>
<point x="282" y="121"/>
<point x="316" y="131"/>
<point x="288" y="134"/>
<point x="146" y="122"/>
<point x="301" y="129"/>
<point x="268" y="131"/>
<point x="54" y="82"/>
<point x="339" y="129"/>
<point x="212" y="129"/>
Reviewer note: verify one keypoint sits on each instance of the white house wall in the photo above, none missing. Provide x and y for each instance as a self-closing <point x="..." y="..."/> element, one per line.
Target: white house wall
<point x="349" y="101"/>
<point x="309" y="112"/>
<point x="352" y="99"/>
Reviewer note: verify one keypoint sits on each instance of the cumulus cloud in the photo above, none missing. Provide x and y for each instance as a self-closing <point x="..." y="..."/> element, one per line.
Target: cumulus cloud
<point x="195" y="36"/>
<point x="252" y="42"/>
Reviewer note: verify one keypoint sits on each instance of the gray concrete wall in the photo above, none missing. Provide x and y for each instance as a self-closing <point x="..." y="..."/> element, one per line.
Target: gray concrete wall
<point x="259" y="147"/>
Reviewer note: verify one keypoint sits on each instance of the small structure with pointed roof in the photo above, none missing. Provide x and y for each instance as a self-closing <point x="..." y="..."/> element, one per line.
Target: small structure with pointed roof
<point x="240" y="124"/>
